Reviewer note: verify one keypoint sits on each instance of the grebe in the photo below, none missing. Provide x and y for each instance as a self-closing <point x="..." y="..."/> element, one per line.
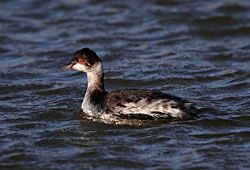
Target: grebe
<point x="124" y="104"/>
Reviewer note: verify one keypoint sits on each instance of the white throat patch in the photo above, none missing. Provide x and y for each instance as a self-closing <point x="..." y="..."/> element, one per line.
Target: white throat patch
<point x="79" y="67"/>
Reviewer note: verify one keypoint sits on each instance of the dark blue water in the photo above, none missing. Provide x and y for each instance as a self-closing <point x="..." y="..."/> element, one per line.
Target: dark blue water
<point x="198" y="50"/>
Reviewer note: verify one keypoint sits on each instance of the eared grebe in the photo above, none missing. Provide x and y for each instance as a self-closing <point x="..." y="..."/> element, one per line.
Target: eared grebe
<point x="124" y="104"/>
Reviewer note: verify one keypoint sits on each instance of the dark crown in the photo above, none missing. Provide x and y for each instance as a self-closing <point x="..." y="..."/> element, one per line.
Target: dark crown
<point x="87" y="54"/>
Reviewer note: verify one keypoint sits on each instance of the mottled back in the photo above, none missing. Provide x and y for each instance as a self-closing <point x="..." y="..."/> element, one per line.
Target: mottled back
<point x="147" y="104"/>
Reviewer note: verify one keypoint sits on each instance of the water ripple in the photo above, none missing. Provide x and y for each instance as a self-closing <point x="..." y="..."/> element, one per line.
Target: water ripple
<point x="198" y="50"/>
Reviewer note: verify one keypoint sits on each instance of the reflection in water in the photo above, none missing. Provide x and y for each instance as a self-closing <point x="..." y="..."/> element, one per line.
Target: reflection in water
<point x="198" y="50"/>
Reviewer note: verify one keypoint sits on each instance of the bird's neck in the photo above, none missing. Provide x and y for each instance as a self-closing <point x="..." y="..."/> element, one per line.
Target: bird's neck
<point x="94" y="96"/>
<point x="95" y="80"/>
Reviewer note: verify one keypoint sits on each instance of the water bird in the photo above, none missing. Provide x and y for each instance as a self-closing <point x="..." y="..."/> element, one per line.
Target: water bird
<point x="126" y="103"/>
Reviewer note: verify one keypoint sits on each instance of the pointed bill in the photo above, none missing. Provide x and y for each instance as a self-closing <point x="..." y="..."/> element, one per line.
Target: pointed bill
<point x="66" y="66"/>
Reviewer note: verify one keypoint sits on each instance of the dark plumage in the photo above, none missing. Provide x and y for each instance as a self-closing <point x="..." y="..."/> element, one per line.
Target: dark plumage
<point x="125" y="104"/>
<point x="117" y="100"/>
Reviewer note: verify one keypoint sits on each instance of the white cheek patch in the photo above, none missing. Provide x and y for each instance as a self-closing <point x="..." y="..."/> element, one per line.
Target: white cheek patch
<point x="79" y="67"/>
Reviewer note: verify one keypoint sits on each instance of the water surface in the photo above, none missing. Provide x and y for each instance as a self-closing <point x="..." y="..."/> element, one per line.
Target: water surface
<point x="198" y="50"/>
